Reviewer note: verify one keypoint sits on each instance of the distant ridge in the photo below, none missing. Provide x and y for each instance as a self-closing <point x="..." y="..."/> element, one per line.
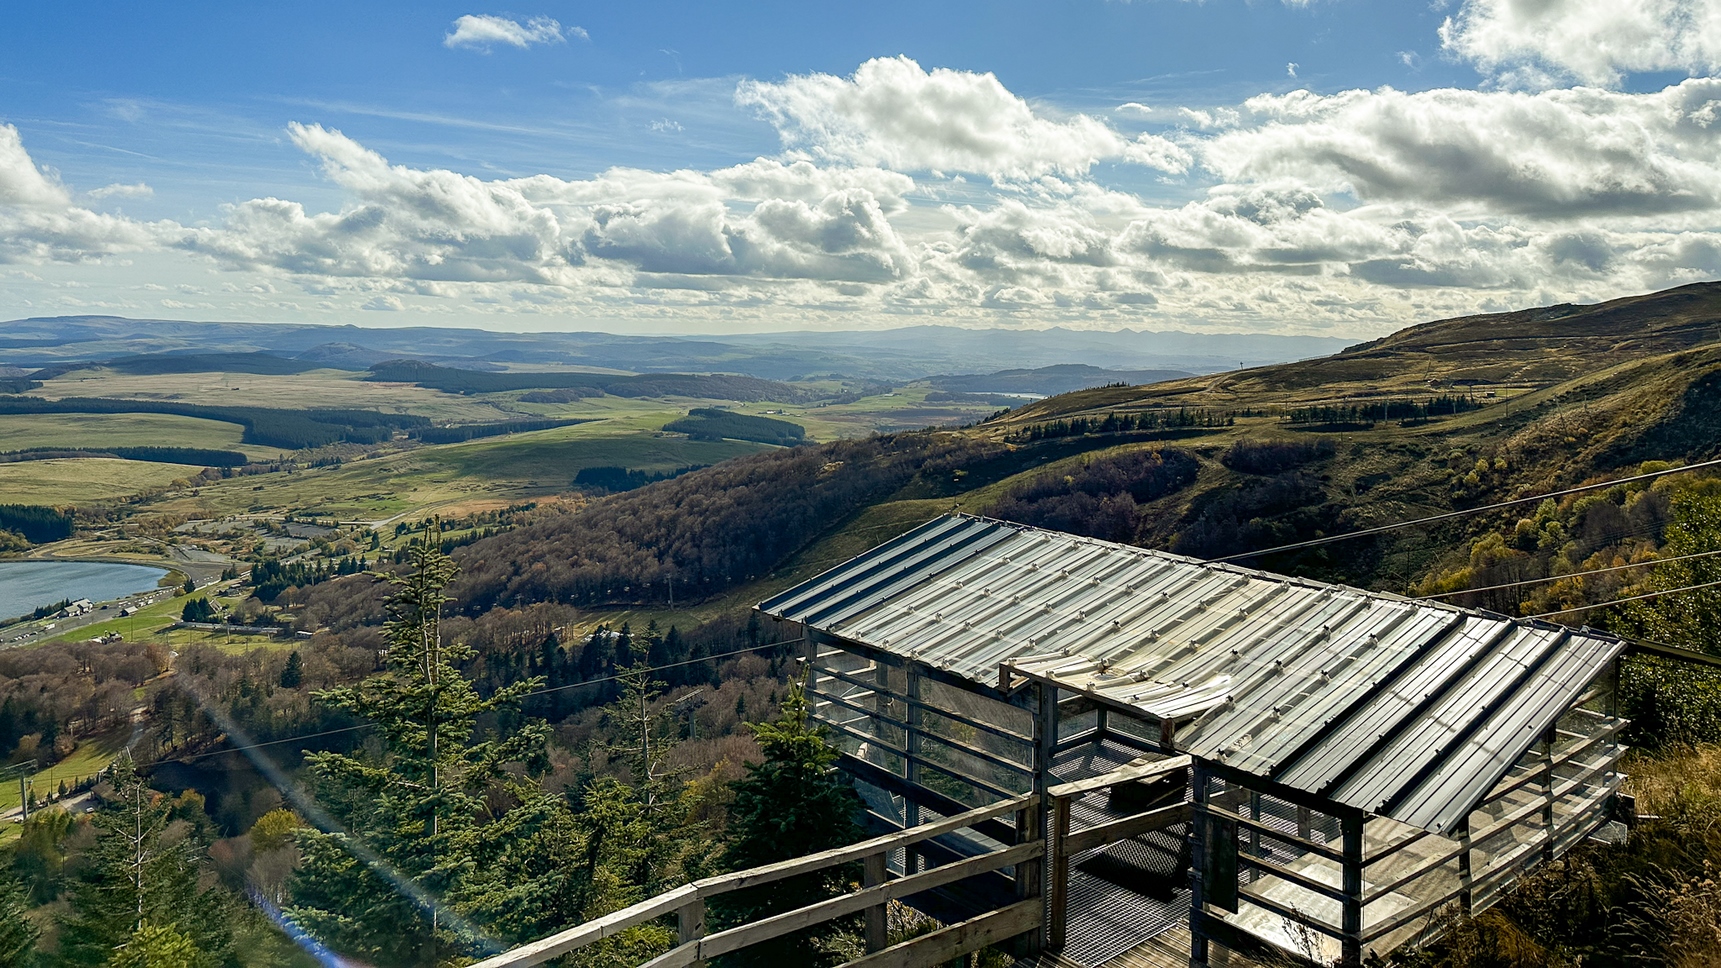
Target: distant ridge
<point x="895" y="354"/>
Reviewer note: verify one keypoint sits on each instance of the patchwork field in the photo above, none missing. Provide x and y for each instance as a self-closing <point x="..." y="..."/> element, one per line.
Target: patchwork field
<point x="86" y="430"/>
<point x="83" y="480"/>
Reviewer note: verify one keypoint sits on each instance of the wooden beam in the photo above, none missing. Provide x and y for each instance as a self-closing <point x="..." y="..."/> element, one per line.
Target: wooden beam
<point x="723" y="883"/>
<point x="1058" y="869"/>
<point x="788" y="922"/>
<point x="873" y="874"/>
<point x="946" y="944"/>
<point x="892" y="783"/>
<point x="1126" y="774"/>
<point x="562" y="942"/>
<point x="1277" y="834"/>
<point x="1113" y="831"/>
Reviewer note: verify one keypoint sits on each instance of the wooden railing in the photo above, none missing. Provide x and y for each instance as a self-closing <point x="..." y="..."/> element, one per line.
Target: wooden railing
<point x="1066" y="844"/>
<point x="1039" y="902"/>
<point x="687" y="903"/>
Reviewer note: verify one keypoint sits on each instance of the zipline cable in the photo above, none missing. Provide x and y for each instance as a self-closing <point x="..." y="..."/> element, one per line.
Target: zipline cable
<point x="1449" y="515"/>
<point x="537" y="692"/>
<point x="1575" y="574"/>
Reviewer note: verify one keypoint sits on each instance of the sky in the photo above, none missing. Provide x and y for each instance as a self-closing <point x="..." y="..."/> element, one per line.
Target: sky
<point x="1326" y="167"/>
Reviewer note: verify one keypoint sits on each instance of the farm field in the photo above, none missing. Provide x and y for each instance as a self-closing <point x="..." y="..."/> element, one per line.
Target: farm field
<point x="91" y="430"/>
<point x="91" y="755"/>
<point x="83" y="479"/>
<point x="316" y="388"/>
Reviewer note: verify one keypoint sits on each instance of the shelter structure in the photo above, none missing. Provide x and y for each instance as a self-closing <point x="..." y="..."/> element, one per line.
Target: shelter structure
<point x="1256" y="760"/>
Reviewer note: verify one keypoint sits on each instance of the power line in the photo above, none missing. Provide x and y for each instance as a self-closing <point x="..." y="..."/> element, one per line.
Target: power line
<point x="535" y="692"/>
<point x="1448" y="515"/>
<point x="1622" y="601"/>
<point x="1575" y="574"/>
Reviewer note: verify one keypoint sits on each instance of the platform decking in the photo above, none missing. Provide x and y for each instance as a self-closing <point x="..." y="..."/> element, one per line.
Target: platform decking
<point x="1167" y="950"/>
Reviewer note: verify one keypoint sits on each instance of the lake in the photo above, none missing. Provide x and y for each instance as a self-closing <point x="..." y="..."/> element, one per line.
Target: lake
<point x="28" y="585"/>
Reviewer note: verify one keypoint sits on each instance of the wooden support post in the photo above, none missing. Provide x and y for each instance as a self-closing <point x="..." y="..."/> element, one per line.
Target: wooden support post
<point x="1198" y="864"/>
<point x="1351" y="945"/>
<point x="1254" y="832"/>
<point x="915" y="721"/>
<point x="1045" y="749"/>
<point x="1304" y="825"/>
<point x="690" y="921"/>
<point x="1466" y="890"/>
<point x="874" y="873"/>
<point x="1548" y="795"/>
<point x="1102" y="723"/>
<point x="1058" y="888"/>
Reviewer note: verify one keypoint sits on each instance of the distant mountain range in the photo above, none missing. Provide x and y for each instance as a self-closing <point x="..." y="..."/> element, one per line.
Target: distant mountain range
<point x="894" y="354"/>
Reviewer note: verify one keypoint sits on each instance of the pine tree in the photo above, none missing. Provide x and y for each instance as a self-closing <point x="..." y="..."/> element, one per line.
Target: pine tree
<point x="156" y="946"/>
<point x="138" y="871"/>
<point x="293" y="674"/>
<point x="791" y="804"/>
<point x="413" y="812"/>
<point x="17" y="935"/>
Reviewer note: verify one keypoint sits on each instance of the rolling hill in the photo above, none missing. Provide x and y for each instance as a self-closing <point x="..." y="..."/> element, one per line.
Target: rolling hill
<point x="1451" y="414"/>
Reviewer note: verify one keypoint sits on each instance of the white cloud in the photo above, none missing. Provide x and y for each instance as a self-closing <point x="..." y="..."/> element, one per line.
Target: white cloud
<point x="1555" y="154"/>
<point x="894" y="114"/>
<point x="1537" y="42"/>
<point x="137" y="190"/>
<point x="484" y="31"/>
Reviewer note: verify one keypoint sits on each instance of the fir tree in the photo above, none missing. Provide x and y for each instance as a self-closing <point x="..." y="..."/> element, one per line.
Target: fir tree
<point x="156" y="946"/>
<point x="293" y="674"/>
<point x="139" y="871"/>
<point x="415" y="811"/>
<point x="791" y="804"/>
<point x="17" y="935"/>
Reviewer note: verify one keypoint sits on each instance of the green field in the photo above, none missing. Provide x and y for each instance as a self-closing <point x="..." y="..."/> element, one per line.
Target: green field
<point x="83" y="480"/>
<point x="519" y="466"/>
<point x="91" y="755"/>
<point x="95" y="430"/>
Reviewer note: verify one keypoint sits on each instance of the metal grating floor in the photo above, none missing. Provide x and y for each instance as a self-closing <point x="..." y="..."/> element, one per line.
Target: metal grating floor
<point x="1107" y="918"/>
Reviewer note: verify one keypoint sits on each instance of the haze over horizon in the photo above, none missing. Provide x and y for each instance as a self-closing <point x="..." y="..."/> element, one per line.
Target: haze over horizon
<point x="1320" y="167"/>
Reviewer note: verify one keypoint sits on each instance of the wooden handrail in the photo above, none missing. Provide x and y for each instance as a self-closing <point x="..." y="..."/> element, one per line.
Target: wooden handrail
<point x="672" y="902"/>
<point x="1128" y="774"/>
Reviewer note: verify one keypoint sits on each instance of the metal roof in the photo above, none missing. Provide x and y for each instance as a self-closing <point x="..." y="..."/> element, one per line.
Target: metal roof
<point x="1404" y="708"/>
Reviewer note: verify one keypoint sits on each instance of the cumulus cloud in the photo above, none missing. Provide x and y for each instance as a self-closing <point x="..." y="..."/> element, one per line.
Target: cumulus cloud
<point x="1537" y="43"/>
<point x="40" y="223"/>
<point x="1562" y="153"/>
<point x="484" y="31"/>
<point x="893" y="113"/>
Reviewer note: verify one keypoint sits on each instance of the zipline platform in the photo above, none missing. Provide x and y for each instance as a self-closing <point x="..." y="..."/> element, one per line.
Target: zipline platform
<point x="1168" y="950"/>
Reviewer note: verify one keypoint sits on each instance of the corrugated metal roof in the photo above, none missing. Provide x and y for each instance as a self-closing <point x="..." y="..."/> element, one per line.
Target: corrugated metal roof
<point x="1404" y="708"/>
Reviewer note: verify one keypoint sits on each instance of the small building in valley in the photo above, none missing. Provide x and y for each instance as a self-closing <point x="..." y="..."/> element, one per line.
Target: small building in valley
<point x="1234" y="760"/>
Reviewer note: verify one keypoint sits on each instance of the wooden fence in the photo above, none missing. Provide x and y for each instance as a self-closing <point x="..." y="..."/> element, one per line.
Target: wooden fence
<point x="1036" y="898"/>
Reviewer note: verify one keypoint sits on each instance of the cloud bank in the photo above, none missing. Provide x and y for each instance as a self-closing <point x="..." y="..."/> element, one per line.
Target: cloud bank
<point x="1540" y="43"/>
<point x="902" y="192"/>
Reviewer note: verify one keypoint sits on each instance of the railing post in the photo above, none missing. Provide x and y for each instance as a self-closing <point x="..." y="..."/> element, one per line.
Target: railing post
<point x="1028" y="871"/>
<point x="1058" y="888"/>
<point x="1045" y="745"/>
<point x="1351" y="946"/>
<point x="1467" y="895"/>
<point x="874" y="873"/>
<point x="1198" y="863"/>
<point x="690" y="922"/>
<point x="1548" y="829"/>
<point x="911" y="769"/>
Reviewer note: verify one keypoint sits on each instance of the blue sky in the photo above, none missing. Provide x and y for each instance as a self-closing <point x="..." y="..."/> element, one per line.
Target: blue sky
<point x="1340" y="166"/>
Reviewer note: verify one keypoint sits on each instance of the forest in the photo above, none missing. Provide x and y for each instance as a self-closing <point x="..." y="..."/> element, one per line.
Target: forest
<point x="711" y="423"/>
<point x="194" y="456"/>
<point x="290" y="429"/>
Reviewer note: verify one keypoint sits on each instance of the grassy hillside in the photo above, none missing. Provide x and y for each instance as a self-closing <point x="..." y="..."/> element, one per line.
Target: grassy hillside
<point x="1239" y="461"/>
